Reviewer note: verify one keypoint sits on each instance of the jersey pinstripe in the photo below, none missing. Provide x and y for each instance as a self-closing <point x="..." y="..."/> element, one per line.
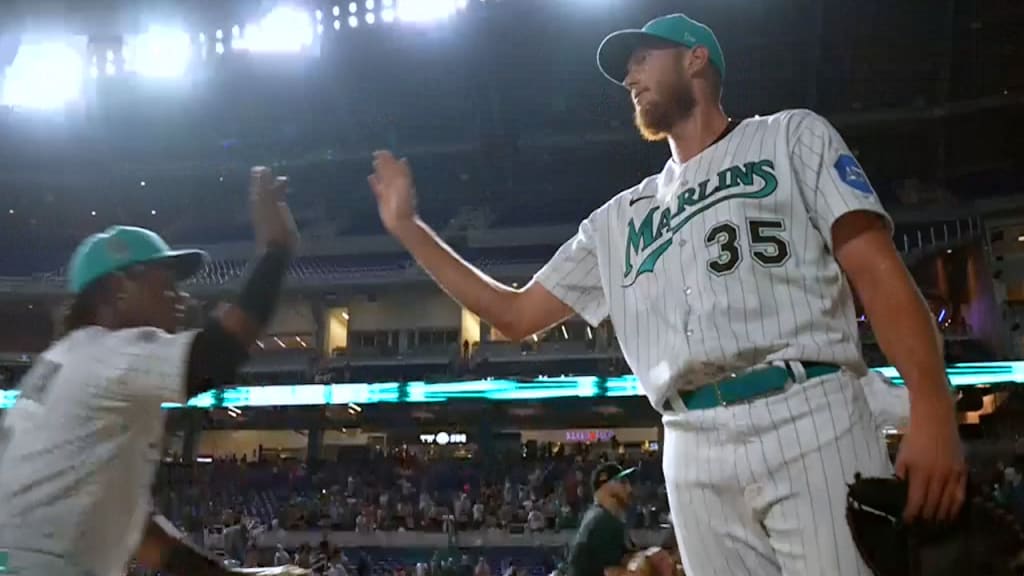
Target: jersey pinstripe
<point x="80" y="446"/>
<point x="724" y="262"/>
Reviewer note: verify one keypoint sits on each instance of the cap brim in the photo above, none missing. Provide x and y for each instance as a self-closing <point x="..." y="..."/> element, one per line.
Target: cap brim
<point x="624" y="474"/>
<point x="185" y="263"/>
<point x="615" y="51"/>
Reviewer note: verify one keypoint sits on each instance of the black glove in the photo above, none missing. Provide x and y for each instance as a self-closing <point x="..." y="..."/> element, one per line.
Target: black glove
<point x="981" y="540"/>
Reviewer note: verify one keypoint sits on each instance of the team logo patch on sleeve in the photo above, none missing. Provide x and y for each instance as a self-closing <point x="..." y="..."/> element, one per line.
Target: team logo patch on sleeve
<point x="853" y="175"/>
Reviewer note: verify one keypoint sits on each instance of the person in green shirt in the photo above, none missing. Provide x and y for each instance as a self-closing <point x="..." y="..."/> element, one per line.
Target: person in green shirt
<point x="601" y="544"/>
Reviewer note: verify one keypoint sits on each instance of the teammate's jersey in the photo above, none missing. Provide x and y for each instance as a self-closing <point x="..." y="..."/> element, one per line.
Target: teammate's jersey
<point x="79" y="448"/>
<point x="724" y="262"/>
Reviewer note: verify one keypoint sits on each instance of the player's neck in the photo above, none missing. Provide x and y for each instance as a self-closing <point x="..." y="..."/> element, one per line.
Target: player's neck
<point x="700" y="130"/>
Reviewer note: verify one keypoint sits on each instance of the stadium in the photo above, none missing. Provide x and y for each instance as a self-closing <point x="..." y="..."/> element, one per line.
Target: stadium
<point x="376" y="413"/>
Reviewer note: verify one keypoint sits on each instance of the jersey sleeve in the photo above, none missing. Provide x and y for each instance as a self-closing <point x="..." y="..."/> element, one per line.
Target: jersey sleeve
<point x="573" y="275"/>
<point x="153" y="364"/>
<point x="831" y="181"/>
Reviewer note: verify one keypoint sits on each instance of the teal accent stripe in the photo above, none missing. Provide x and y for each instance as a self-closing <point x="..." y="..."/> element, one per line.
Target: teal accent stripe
<point x="499" y="389"/>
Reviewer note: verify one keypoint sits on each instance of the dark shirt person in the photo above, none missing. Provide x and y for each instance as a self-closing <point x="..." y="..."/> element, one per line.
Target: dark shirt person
<point x="602" y="543"/>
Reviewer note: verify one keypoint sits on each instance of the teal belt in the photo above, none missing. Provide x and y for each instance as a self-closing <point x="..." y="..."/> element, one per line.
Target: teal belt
<point x="756" y="383"/>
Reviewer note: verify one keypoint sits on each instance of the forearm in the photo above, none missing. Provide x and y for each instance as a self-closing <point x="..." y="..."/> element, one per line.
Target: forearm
<point x="221" y="347"/>
<point x="903" y="325"/>
<point x="164" y="548"/>
<point x="258" y="297"/>
<point x="481" y="294"/>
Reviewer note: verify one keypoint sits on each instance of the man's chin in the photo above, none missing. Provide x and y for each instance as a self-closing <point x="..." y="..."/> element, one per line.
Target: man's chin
<point x="649" y="129"/>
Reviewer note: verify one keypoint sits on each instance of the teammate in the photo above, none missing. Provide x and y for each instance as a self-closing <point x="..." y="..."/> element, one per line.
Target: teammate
<point x="728" y="280"/>
<point x="602" y="543"/>
<point x="80" y="446"/>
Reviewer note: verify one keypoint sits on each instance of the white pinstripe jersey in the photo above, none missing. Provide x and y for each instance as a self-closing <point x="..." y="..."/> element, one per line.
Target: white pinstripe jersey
<point x="80" y="446"/>
<point x="724" y="262"/>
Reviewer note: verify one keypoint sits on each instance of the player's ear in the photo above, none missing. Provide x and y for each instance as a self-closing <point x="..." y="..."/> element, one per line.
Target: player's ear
<point x="697" y="59"/>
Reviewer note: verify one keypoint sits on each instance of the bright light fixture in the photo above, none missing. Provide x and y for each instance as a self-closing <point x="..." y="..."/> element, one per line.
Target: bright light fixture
<point x="159" y="52"/>
<point x="285" y="29"/>
<point x="428" y="10"/>
<point x="44" y="75"/>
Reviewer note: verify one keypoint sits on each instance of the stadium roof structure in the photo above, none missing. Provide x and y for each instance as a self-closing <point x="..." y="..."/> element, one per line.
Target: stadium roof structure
<point x="499" y="105"/>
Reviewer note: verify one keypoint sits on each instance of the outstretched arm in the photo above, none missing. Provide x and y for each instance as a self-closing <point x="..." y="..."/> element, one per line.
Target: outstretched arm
<point x="221" y="347"/>
<point x="517" y="313"/>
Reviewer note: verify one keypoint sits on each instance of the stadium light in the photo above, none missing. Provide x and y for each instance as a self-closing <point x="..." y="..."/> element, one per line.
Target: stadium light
<point x="428" y="10"/>
<point x="46" y="75"/>
<point x="286" y="30"/>
<point x="159" y="53"/>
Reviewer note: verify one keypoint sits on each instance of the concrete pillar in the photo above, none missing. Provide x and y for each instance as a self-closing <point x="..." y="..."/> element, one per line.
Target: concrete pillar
<point x="314" y="443"/>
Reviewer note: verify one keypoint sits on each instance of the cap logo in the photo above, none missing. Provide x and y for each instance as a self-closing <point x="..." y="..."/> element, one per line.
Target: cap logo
<point x="689" y="38"/>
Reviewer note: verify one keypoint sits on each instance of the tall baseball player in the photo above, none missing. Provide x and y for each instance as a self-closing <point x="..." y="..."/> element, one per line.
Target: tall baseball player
<point x="79" y="448"/>
<point x="728" y="280"/>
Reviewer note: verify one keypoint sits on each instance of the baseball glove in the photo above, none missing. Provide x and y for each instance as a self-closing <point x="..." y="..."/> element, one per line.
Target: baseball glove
<point x="982" y="540"/>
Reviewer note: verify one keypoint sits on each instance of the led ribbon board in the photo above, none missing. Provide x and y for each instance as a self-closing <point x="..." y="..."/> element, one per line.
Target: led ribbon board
<point x="499" y="389"/>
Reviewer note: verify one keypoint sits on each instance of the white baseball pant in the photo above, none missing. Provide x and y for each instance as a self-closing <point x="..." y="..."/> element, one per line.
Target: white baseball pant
<point x="759" y="488"/>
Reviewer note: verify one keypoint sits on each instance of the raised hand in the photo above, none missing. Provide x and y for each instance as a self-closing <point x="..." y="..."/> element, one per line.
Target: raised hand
<point x="272" y="219"/>
<point x="392" y="185"/>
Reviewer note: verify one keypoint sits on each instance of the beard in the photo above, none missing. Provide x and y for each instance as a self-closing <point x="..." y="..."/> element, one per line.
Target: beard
<point x="656" y="118"/>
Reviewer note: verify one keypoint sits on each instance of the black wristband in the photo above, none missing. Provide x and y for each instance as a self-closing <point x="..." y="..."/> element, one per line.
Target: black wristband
<point x="262" y="289"/>
<point x="214" y="359"/>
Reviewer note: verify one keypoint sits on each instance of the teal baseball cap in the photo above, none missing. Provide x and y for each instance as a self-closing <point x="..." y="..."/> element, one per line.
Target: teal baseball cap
<point x="615" y="51"/>
<point x="120" y="247"/>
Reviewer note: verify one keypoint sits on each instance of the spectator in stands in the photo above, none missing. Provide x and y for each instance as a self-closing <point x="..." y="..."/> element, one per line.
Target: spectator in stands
<point x="321" y="560"/>
<point x="337" y="564"/>
<point x="302" y="557"/>
<point x="535" y="521"/>
<point x="482" y="567"/>
<point x="235" y="538"/>
<point x="363" y="565"/>
<point x="281" y="557"/>
<point x="478" y="515"/>
<point x="465" y="567"/>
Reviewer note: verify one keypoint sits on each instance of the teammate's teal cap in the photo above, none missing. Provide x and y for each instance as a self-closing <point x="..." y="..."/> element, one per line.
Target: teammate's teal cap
<point x="120" y="247"/>
<point x="615" y="51"/>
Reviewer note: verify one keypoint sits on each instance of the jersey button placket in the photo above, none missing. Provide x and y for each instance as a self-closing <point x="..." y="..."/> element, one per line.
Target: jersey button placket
<point x="687" y="292"/>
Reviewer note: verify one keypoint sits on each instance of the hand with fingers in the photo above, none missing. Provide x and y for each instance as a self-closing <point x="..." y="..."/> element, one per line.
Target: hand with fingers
<point x="272" y="219"/>
<point x="931" y="461"/>
<point x="392" y="185"/>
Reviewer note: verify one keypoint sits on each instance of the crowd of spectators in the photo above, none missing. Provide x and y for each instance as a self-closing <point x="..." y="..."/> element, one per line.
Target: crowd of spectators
<point x="398" y="491"/>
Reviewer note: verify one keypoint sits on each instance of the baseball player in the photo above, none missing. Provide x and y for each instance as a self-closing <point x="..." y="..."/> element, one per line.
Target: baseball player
<point x="728" y="280"/>
<point x="80" y="446"/>
<point x="602" y="542"/>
